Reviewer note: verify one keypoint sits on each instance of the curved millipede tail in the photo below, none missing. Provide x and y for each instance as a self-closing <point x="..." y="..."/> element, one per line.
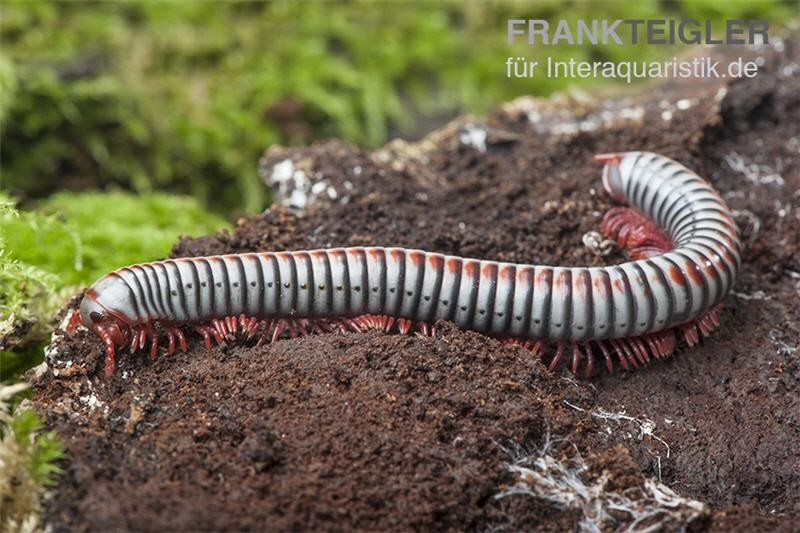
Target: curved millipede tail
<point x="682" y="239"/>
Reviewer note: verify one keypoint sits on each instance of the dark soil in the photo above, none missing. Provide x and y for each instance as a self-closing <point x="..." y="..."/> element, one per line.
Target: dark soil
<point x="375" y="432"/>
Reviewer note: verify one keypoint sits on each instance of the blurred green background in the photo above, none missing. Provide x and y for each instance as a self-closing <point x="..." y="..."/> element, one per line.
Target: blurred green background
<point x="167" y="107"/>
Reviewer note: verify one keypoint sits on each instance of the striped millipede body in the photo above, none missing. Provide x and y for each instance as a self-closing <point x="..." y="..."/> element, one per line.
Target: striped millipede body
<point x="685" y="256"/>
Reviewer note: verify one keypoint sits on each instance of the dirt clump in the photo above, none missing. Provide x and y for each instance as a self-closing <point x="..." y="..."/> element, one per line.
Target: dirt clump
<point x="371" y="431"/>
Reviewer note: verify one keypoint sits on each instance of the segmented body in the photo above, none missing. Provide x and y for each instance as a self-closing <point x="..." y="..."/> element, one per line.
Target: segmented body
<point x="680" y="274"/>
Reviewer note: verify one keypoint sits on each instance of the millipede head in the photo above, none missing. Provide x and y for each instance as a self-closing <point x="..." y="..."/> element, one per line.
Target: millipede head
<point x="612" y="176"/>
<point x="105" y="310"/>
<point x="109" y="298"/>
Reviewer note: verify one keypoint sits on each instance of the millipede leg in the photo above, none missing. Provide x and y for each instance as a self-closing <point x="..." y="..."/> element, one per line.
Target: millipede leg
<point x="153" y="342"/>
<point x="278" y="329"/>
<point x="181" y="339"/>
<point x="426" y="328"/>
<point x="110" y="352"/>
<point x="134" y="341"/>
<point x="204" y="332"/>
<point x="170" y="342"/>
<point x="632" y="230"/>
<point x="559" y="352"/>
<point x="639" y="350"/>
<point x="606" y="356"/>
<point x="653" y="347"/>
<point x="628" y="350"/>
<point x="73" y="322"/>
<point x="617" y="346"/>
<point x="404" y="325"/>
<point x="576" y="357"/>
<point x="221" y="329"/>
<point x="587" y="372"/>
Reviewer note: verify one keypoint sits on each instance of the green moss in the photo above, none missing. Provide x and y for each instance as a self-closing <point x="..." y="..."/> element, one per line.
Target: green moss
<point x="25" y="290"/>
<point x="98" y="232"/>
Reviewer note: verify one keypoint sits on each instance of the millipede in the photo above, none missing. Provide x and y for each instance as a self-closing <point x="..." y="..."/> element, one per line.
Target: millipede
<point x="684" y="249"/>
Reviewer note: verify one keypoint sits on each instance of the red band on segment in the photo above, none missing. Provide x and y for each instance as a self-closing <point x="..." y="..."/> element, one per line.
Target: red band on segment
<point x="472" y="269"/>
<point x="436" y="261"/>
<point x="453" y="265"/>
<point x="676" y="275"/>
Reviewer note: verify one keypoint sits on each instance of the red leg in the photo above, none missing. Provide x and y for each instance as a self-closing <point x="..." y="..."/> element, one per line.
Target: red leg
<point x="632" y="230"/>
<point x="181" y="339"/>
<point x="554" y="362"/>
<point x="621" y="355"/>
<point x="278" y="329"/>
<point x="221" y="330"/>
<point x="142" y="337"/>
<point x="652" y="346"/>
<point x="73" y="322"/>
<point x="134" y="340"/>
<point x="587" y="372"/>
<point x="251" y="327"/>
<point x="576" y="358"/>
<point x="264" y="337"/>
<point x="170" y="341"/>
<point x="154" y="347"/>
<point x="606" y="356"/>
<point x="404" y="325"/>
<point x="639" y="350"/>
<point x="110" y="352"/>
<point x="426" y="329"/>
<point x="204" y="331"/>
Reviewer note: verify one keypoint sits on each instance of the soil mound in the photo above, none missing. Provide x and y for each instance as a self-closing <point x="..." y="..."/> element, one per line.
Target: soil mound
<point x="377" y="432"/>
